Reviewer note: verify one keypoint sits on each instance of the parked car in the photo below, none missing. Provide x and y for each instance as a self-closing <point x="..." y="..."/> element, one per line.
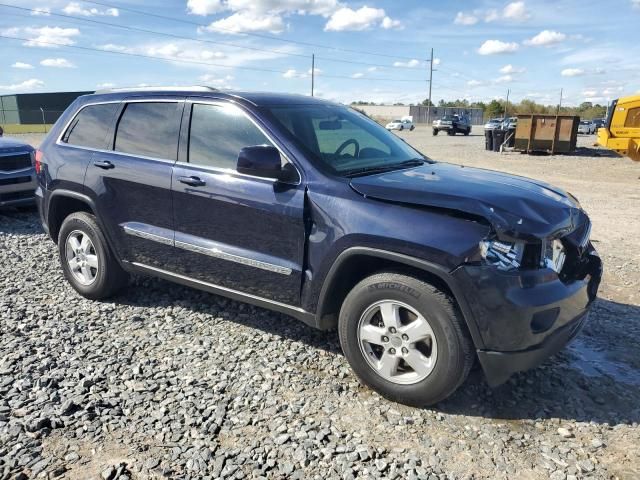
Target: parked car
<point x="17" y="175"/>
<point x="493" y="123"/>
<point x="403" y="124"/>
<point x="598" y="123"/>
<point x="309" y="208"/>
<point x="452" y="124"/>
<point x="586" y="127"/>
<point x="510" y="123"/>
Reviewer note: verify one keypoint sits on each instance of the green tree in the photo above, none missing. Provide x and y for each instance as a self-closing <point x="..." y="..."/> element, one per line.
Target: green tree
<point x="494" y="109"/>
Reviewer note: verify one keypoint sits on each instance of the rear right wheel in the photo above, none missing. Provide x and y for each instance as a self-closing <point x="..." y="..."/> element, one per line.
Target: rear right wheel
<point x="435" y="132"/>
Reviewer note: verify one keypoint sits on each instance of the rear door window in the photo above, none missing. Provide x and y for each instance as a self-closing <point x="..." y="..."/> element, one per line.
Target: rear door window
<point x="149" y="129"/>
<point x="90" y="126"/>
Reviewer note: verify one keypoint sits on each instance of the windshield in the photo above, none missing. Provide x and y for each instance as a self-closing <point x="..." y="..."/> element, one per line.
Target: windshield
<point x="341" y="140"/>
<point x="449" y="117"/>
<point x="397" y="121"/>
<point x="585" y="123"/>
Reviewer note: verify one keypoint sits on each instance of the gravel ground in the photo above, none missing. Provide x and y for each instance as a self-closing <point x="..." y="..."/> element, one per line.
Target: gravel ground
<point x="165" y="381"/>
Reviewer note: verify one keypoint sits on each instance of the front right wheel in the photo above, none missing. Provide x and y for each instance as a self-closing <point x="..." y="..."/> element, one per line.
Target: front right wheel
<point x="405" y="339"/>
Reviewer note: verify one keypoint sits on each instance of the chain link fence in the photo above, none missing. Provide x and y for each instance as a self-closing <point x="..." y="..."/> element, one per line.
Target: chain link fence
<point x="28" y="120"/>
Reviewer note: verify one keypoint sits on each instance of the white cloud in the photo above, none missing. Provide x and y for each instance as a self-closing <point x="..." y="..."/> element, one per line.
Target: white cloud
<point x="248" y="21"/>
<point x="74" y="8"/>
<point x="49" y="36"/>
<point x="357" y="75"/>
<point x="493" y="47"/>
<point x="388" y="24"/>
<point x="204" y="7"/>
<point x="572" y="72"/>
<point x="516" y="11"/>
<point x="504" y="79"/>
<point x="57" y="63"/>
<point x="22" y="65"/>
<point x="354" y="20"/>
<point x="372" y="69"/>
<point x="316" y="71"/>
<point x="27" y="85"/>
<point x="301" y="7"/>
<point x="41" y="11"/>
<point x="217" y="81"/>
<point x="106" y="85"/>
<point x="413" y="63"/>
<point x="292" y="73"/>
<point x="491" y="16"/>
<point x="465" y="19"/>
<point x="509" y="69"/>
<point x="590" y="93"/>
<point x="545" y="38"/>
<point x="474" y="83"/>
<point x="113" y="47"/>
<point x="436" y="61"/>
<point x="635" y="3"/>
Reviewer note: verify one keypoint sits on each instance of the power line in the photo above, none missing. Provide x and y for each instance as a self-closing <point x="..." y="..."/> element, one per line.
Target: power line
<point x="72" y="19"/>
<point x="197" y="62"/>
<point x="251" y="34"/>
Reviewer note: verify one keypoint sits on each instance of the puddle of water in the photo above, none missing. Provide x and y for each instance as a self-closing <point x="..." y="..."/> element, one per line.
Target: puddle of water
<point x="594" y="363"/>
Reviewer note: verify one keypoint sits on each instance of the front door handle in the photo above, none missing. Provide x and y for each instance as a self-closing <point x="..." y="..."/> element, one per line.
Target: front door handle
<point x="192" y="181"/>
<point x="106" y="165"/>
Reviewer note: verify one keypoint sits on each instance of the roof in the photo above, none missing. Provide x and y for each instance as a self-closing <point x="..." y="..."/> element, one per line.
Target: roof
<point x="254" y="98"/>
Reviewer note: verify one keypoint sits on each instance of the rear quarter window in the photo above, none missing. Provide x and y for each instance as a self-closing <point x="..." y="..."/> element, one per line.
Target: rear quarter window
<point x="90" y="126"/>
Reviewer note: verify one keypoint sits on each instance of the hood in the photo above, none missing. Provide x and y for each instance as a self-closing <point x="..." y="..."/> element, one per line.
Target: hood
<point x="515" y="206"/>
<point x="11" y="144"/>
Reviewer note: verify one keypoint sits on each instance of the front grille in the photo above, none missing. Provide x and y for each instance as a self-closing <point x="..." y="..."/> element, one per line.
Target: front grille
<point x="14" y="181"/>
<point x="18" y="161"/>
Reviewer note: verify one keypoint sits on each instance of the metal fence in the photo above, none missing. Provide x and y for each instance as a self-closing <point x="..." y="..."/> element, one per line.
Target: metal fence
<point x="423" y="114"/>
<point x="29" y="116"/>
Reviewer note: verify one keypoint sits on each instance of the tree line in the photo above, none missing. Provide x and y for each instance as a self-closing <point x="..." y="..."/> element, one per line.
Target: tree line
<point x="500" y="108"/>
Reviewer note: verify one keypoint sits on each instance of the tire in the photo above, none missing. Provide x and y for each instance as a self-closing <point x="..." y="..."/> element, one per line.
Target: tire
<point x="467" y="132"/>
<point x="401" y="127"/>
<point x="107" y="275"/>
<point x="435" y="132"/>
<point x="412" y="128"/>
<point x="449" y="339"/>
<point x="451" y="132"/>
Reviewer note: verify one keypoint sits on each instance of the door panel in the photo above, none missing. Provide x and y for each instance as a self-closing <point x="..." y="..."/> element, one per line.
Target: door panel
<point x="233" y="230"/>
<point x="133" y="192"/>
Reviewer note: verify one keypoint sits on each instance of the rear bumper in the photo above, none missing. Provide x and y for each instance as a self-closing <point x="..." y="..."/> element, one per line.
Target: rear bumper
<point x="524" y="317"/>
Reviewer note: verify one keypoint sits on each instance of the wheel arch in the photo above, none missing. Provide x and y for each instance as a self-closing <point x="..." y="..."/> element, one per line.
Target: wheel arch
<point x="357" y="263"/>
<point x="63" y="203"/>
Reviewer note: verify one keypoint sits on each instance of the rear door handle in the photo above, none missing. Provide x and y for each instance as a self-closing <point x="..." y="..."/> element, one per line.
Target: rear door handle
<point x="106" y="165"/>
<point x="192" y="181"/>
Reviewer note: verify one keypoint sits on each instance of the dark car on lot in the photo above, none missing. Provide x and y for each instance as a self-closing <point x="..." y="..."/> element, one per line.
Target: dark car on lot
<point x="452" y="124"/>
<point x="17" y="174"/>
<point x="309" y="208"/>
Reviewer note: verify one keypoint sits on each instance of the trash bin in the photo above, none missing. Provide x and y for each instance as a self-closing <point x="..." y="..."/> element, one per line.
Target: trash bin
<point x="488" y="140"/>
<point x="511" y="137"/>
<point x="498" y="138"/>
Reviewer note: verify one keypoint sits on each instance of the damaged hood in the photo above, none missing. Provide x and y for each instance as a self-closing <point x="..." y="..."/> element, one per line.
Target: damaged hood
<point x="515" y="206"/>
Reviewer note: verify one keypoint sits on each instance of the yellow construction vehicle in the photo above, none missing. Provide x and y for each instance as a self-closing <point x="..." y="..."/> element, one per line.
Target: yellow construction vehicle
<point x="621" y="132"/>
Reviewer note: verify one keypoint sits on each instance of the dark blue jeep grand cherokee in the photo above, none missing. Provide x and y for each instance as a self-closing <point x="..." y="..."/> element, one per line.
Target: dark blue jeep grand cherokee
<point x="309" y="208"/>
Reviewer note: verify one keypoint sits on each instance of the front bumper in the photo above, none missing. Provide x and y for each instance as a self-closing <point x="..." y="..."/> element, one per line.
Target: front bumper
<point x="17" y="188"/>
<point x="523" y="317"/>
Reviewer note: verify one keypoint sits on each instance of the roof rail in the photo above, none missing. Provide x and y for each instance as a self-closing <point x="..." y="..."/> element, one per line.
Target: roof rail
<point x="194" y="88"/>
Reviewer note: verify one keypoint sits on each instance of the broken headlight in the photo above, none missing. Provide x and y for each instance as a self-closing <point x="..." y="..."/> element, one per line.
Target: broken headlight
<point x="553" y="255"/>
<point x="504" y="255"/>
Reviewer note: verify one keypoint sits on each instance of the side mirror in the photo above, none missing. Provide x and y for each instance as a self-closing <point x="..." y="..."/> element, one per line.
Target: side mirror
<point x="264" y="161"/>
<point x="260" y="161"/>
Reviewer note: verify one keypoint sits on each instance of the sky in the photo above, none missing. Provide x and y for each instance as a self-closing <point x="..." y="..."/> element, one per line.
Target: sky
<point x="374" y="50"/>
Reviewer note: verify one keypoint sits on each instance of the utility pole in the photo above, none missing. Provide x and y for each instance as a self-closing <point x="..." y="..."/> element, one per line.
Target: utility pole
<point x="430" y="83"/>
<point x="313" y="72"/>
<point x="506" y="105"/>
<point x="559" y="104"/>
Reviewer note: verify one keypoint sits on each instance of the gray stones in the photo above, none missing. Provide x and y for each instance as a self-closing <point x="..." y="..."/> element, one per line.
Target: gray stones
<point x="179" y="383"/>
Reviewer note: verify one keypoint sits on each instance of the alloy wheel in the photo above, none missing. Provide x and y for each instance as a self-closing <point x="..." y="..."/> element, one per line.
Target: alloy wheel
<point x="397" y="342"/>
<point x="82" y="258"/>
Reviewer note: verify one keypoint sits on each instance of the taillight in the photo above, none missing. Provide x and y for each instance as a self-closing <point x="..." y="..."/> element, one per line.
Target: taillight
<point x="38" y="161"/>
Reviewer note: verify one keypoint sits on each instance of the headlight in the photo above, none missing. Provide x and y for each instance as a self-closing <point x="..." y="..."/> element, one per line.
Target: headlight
<point x="553" y="255"/>
<point x="504" y="255"/>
